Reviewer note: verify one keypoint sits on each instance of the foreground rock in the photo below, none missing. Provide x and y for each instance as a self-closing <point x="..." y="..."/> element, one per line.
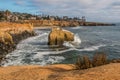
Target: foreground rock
<point x="60" y="72"/>
<point x="11" y="34"/>
<point x="57" y="36"/>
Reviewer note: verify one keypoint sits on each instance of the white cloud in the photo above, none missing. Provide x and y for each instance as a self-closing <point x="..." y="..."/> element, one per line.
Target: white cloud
<point x="89" y="8"/>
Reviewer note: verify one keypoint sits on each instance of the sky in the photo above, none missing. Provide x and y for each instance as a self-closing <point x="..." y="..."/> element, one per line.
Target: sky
<point x="93" y="10"/>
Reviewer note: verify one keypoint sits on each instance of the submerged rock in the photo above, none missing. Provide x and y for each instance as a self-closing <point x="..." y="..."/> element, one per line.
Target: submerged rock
<point x="58" y="35"/>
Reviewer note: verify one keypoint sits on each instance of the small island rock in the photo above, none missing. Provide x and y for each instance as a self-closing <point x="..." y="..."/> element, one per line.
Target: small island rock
<point x="58" y="35"/>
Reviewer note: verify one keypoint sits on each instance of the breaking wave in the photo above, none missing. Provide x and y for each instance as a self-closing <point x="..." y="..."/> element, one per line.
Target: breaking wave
<point x="75" y="43"/>
<point x="92" y="48"/>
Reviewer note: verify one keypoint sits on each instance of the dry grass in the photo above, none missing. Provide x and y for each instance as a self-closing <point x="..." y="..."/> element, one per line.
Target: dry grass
<point x="15" y="27"/>
<point x="98" y="59"/>
<point x="7" y="28"/>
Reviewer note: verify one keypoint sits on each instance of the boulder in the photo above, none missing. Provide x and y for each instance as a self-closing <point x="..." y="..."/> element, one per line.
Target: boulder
<point x="6" y="38"/>
<point x="58" y="35"/>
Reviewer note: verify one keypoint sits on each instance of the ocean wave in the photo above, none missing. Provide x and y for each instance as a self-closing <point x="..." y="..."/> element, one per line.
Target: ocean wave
<point x="78" y="27"/>
<point x="92" y="48"/>
<point x="75" y="43"/>
<point x="24" y="57"/>
<point x="45" y="60"/>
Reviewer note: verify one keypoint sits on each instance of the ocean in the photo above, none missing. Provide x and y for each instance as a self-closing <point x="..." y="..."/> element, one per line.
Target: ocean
<point x="87" y="41"/>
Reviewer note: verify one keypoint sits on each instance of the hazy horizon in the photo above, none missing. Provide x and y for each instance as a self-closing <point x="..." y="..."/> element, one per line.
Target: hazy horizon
<point x="94" y="10"/>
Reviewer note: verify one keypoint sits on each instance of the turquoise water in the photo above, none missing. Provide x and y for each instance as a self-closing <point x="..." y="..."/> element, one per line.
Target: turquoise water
<point x="88" y="41"/>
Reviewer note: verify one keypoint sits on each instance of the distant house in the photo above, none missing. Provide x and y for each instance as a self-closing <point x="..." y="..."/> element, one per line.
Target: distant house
<point x="80" y="20"/>
<point x="83" y="19"/>
<point x="21" y="17"/>
<point x="52" y="18"/>
<point x="32" y="18"/>
<point x="14" y="18"/>
<point x="65" y="17"/>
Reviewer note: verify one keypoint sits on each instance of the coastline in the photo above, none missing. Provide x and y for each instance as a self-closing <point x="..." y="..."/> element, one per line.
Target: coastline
<point x="11" y="34"/>
<point x="65" y="23"/>
<point x="56" y="71"/>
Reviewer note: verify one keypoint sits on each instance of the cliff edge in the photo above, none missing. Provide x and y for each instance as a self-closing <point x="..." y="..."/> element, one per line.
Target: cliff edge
<point x="60" y="72"/>
<point x="11" y="34"/>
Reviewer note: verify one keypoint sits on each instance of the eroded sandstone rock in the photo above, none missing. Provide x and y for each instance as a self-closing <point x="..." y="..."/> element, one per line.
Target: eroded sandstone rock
<point x="11" y="34"/>
<point x="58" y="35"/>
<point x="6" y="38"/>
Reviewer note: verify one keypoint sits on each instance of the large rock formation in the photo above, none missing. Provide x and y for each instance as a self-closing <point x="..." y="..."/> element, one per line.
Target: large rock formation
<point x="57" y="36"/>
<point x="5" y="38"/>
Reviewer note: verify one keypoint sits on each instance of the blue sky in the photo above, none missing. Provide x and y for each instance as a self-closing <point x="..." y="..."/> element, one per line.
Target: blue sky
<point x="94" y="10"/>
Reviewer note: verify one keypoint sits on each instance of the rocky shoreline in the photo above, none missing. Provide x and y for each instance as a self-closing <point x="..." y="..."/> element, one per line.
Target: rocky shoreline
<point x="11" y="35"/>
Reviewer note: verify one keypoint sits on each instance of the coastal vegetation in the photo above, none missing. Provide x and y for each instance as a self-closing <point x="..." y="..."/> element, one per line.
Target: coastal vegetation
<point x="98" y="59"/>
<point x="85" y="62"/>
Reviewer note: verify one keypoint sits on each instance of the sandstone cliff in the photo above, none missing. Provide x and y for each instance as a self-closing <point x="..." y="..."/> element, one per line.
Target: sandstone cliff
<point x="53" y="23"/>
<point x="11" y="34"/>
<point x="65" y="23"/>
<point x="57" y="36"/>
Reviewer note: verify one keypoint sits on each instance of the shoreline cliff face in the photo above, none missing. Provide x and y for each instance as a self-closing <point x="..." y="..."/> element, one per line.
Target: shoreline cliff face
<point x="67" y="23"/>
<point x="11" y="34"/>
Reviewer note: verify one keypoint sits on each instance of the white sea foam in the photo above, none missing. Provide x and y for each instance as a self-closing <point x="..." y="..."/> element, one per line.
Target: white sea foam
<point x="92" y="48"/>
<point x="48" y="60"/>
<point x="26" y="50"/>
<point x="78" y="27"/>
<point x="37" y="55"/>
<point x="75" y="43"/>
